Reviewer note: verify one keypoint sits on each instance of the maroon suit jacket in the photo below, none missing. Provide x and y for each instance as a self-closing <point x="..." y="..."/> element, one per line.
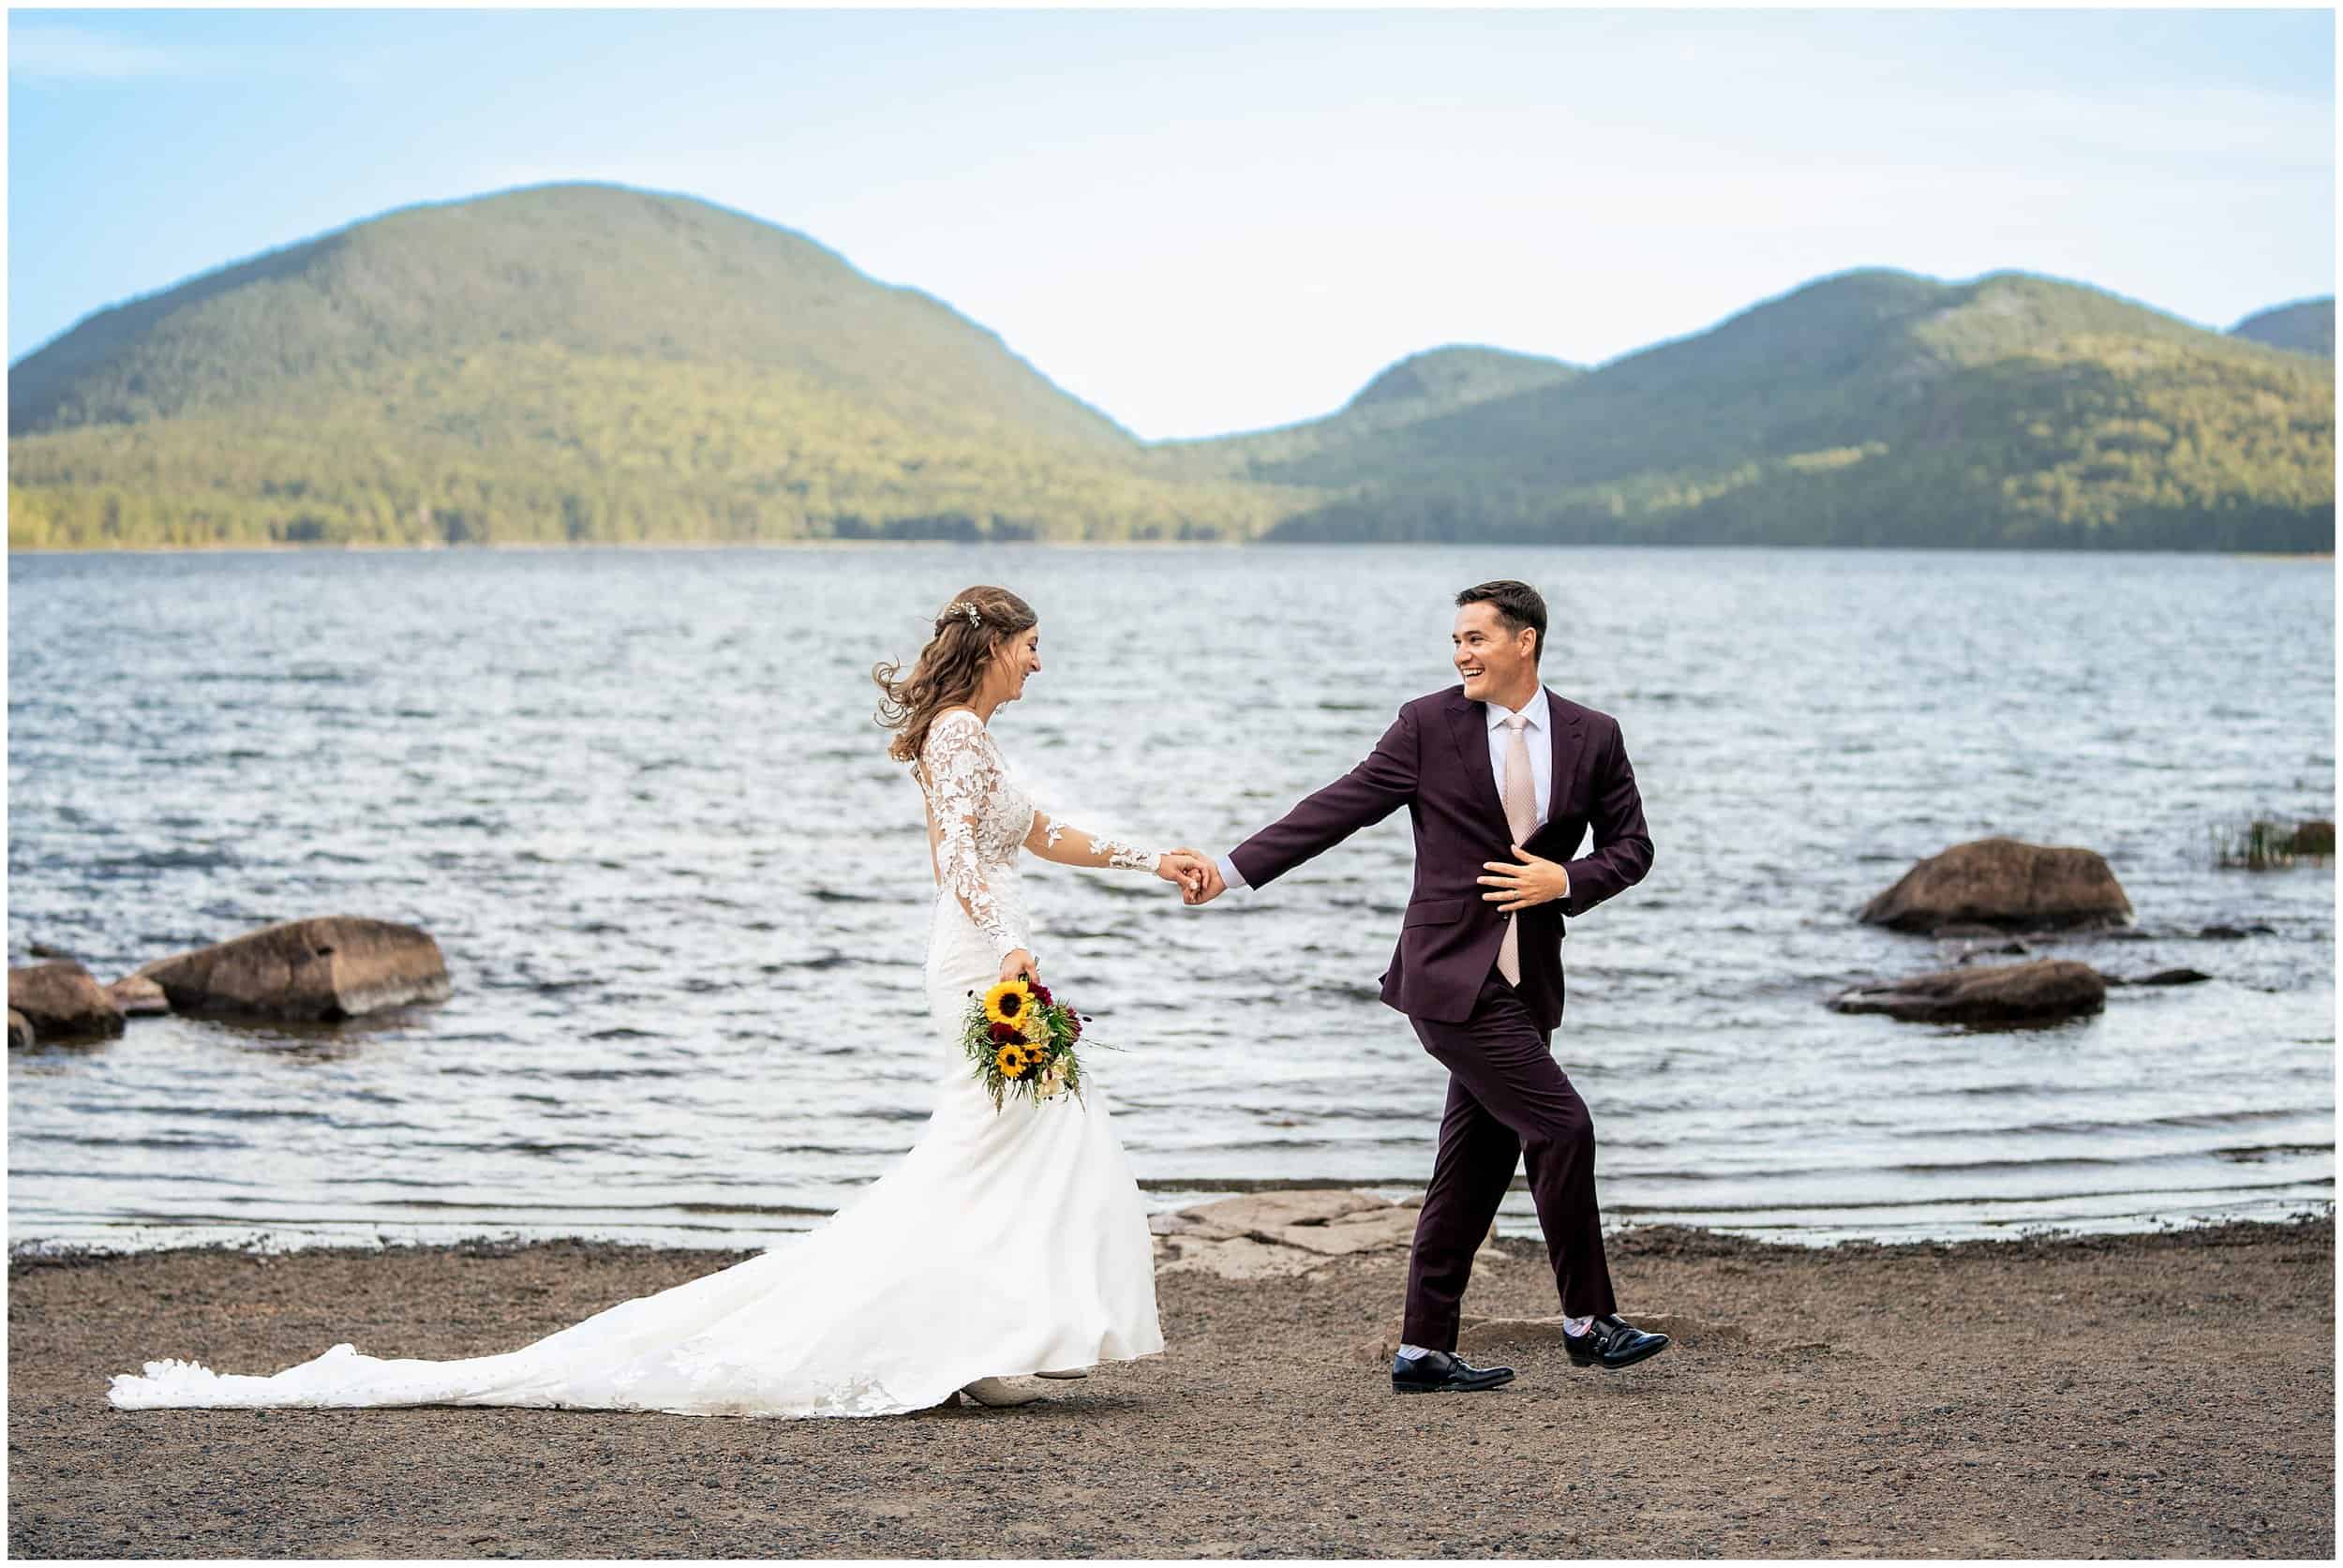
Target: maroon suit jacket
<point x="1435" y="761"/>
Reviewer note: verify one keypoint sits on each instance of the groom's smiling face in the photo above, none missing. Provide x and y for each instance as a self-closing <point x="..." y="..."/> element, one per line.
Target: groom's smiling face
<point x="1498" y="664"/>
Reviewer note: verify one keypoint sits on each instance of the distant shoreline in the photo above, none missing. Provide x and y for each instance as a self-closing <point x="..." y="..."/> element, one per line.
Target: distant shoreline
<point x="547" y="548"/>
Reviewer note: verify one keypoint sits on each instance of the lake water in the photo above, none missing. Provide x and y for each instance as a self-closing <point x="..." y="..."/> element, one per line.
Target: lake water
<point x="639" y="800"/>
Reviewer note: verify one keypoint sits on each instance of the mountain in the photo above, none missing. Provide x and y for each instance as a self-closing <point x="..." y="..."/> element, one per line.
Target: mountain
<point x="1453" y="377"/>
<point x="565" y="362"/>
<point x="1419" y="387"/>
<point x="590" y="362"/>
<point x="1871" y="408"/>
<point x="2306" y="326"/>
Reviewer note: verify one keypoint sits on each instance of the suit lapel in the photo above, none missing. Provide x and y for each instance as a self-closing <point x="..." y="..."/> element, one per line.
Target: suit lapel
<point x="1569" y="727"/>
<point x="1468" y="723"/>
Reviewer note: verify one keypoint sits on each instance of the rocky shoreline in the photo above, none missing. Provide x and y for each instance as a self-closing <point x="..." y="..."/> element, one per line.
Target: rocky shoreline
<point x="1995" y="897"/>
<point x="2169" y="1394"/>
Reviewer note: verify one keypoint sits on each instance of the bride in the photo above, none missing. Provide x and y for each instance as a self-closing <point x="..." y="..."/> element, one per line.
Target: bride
<point x="1006" y="1241"/>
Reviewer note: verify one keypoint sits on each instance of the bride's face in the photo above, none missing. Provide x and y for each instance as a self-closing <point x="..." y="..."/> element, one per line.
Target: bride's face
<point x="1016" y="659"/>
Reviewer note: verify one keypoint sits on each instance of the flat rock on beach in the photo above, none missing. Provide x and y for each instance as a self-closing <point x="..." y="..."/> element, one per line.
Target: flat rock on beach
<point x="2163" y="1395"/>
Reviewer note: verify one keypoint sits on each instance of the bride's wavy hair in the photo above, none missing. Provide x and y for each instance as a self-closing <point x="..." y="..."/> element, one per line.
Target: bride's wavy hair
<point x="969" y="632"/>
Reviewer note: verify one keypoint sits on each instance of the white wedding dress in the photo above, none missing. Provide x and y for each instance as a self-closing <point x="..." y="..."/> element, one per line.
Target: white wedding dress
<point x="1003" y="1242"/>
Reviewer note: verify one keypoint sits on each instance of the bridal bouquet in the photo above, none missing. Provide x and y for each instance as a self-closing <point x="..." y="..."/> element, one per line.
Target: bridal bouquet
<point x="1021" y="1041"/>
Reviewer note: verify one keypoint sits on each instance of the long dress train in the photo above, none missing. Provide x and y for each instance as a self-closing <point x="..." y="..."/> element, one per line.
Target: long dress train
<point x="1003" y="1242"/>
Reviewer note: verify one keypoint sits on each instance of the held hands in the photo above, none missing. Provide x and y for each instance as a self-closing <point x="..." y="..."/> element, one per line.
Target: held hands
<point x="1518" y="887"/>
<point x="1190" y="871"/>
<point x="1197" y="874"/>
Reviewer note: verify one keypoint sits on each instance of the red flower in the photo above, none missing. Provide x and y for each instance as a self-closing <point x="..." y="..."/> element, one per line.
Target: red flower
<point x="1004" y="1033"/>
<point x="1074" y="1023"/>
<point x="1041" y="994"/>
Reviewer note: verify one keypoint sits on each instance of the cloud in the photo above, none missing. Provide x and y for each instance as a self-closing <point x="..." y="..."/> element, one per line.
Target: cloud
<point x="48" y="52"/>
<point x="63" y="53"/>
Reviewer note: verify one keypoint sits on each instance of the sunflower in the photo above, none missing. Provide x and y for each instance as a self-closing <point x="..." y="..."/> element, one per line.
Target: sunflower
<point x="1008" y="1003"/>
<point x="1011" y="1060"/>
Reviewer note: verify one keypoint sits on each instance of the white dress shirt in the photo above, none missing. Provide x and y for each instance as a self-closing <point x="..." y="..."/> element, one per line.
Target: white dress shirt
<point x="1538" y="735"/>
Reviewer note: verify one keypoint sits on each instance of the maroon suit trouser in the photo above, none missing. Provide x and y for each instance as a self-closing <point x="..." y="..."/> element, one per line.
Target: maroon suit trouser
<point x="1508" y="1102"/>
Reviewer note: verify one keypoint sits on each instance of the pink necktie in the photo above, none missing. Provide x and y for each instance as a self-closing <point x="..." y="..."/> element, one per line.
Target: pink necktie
<point x="1521" y="815"/>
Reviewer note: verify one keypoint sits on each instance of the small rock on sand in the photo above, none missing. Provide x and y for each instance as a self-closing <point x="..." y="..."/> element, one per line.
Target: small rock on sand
<point x="1264" y="1234"/>
<point x="1273" y="1211"/>
<point x="1239" y="1257"/>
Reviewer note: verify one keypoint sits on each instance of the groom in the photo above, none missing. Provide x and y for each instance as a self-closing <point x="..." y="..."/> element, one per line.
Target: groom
<point x="1501" y="778"/>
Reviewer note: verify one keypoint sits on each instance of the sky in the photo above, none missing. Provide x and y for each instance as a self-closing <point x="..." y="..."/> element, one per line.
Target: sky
<point x="1205" y="221"/>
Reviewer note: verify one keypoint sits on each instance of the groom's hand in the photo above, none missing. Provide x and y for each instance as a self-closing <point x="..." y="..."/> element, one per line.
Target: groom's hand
<point x="1518" y="887"/>
<point x="1186" y="868"/>
<point x="1213" y="886"/>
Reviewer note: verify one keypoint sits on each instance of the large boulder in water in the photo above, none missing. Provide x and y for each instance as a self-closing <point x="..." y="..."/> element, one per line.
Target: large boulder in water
<point x="335" y="967"/>
<point x="62" y="1000"/>
<point x="2038" y="993"/>
<point x="2006" y="885"/>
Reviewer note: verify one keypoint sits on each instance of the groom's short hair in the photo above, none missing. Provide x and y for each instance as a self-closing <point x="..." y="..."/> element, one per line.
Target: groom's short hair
<point x="1517" y="605"/>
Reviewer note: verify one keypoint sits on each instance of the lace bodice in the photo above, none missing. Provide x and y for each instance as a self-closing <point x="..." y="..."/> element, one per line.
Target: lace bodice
<point x="983" y="819"/>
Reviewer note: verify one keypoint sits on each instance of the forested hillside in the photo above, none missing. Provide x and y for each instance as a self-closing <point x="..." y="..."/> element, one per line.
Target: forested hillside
<point x="589" y="363"/>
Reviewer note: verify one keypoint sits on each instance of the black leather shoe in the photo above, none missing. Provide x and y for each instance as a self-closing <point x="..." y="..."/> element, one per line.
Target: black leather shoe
<point x="1613" y="1342"/>
<point x="1438" y="1372"/>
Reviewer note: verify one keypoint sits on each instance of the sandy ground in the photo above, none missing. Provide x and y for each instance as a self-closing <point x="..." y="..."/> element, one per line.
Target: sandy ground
<point x="2159" y="1395"/>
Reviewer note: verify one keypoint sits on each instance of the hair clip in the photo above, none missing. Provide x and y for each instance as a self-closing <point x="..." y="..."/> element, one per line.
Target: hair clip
<point x="962" y="606"/>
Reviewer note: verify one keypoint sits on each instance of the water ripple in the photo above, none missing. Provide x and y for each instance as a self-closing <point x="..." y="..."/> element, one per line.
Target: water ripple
<point x="682" y="893"/>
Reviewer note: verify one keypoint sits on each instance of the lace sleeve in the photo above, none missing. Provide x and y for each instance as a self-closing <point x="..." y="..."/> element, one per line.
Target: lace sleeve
<point x="958" y="769"/>
<point x="1072" y="846"/>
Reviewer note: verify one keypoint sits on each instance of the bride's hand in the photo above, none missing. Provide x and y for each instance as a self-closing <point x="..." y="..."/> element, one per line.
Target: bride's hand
<point x="1185" y="867"/>
<point x="1019" y="965"/>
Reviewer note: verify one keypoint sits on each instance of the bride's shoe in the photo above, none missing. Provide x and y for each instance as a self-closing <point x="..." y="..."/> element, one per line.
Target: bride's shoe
<point x="1000" y="1393"/>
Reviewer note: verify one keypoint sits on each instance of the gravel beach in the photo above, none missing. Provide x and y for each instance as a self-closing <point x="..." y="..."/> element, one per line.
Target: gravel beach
<point x="2165" y="1395"/>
